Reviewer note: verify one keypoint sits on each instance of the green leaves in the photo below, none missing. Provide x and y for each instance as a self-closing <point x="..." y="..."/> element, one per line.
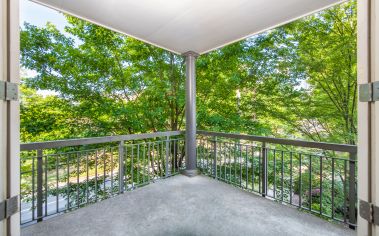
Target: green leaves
<point x="297" y="81"/>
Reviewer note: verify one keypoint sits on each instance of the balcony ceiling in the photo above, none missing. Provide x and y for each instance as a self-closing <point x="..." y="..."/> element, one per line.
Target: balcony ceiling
<point x="189" y="25"/>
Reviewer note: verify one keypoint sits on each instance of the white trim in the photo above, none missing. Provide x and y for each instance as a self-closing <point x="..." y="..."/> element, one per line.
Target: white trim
<point x="364" y="72"/>
<point x="3" y="111"/>
<point x="13" y="124"/>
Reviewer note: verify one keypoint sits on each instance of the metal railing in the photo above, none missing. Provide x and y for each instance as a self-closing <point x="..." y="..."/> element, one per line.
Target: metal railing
<point x="316" y="177"/>
<point x="59" y="176"/>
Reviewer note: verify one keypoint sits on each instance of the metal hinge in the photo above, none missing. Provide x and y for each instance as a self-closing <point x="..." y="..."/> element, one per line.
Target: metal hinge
<point x="369" y="212"/>
<point x="369" y="92"/>
<point x="8" y="91"/>
<point x="8" y="207"/>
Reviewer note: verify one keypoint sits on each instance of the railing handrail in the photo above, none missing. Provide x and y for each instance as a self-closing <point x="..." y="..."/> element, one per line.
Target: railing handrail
<point x="107" y="139"/>
<point x="95" y="140"/>
<point x="300" y="143"/>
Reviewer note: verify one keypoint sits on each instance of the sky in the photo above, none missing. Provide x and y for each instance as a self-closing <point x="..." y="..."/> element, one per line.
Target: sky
<point x="39" y="15"/>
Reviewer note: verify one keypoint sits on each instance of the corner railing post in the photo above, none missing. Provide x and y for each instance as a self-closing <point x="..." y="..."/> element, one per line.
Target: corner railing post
<point x="264" y="170"/>
<point x="167" y="154"/>
<point x="121" y="167"/>
<point x="39" y="184"/>
<point x="215" y="157"/>
<point x="352" y="190"/>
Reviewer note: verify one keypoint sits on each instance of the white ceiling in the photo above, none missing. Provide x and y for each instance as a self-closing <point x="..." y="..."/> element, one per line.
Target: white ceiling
<point x="189" y="25"/>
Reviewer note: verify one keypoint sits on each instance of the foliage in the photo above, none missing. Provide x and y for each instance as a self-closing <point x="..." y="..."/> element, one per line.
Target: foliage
<point x="296" y="81"/>
<point x="114" y="84"/>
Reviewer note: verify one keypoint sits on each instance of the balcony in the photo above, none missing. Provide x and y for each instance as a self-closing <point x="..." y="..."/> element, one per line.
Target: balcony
<point x="250" y="185"/>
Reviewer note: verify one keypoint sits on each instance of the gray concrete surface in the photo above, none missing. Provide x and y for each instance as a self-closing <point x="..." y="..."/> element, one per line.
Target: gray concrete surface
<point x="186" y="206"/>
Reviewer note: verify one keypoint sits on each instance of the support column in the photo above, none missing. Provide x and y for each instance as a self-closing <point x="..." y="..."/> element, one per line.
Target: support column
<point x="368" y="112"/>
<point x="191" y="165"/>
<point x="9" y="115"/>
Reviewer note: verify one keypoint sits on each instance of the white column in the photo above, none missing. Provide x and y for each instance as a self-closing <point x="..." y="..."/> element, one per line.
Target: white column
<point x="3" y="110"/>
<point x="9" y="117"/>
<point x="368" y="112"/>
<point x="190" y="114"/>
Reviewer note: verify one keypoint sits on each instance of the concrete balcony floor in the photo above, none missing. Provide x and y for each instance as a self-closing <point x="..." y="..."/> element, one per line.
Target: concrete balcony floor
<point x="186" y="206"/>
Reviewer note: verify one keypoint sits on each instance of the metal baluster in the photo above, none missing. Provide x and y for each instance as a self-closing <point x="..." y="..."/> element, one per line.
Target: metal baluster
<point x="333" y="188"/>
<point x="219" y="156"/>
<point x="148" y="162"/>
<point x="68" y="182"/>
<point x="57" y="183"/>
<point x="175" y="156"/>
<point x="345" y="212"/>
<point x="77" y="180"/>
<point x="207" y="157"/>
<point x="352" y="190"/>
<point x="104" y="172"/>
<point x="167" y="154"/>
<point x="96" y="175"/>
<point x="291" y="177"/>
<point x="39" y="185"/>
<point x="132" y="165"/>
<point x="46" y="187"/>
<point x="205" y="164"/>
<point x="300" y="181"/>
<point x="240" y="161"/>
<point x="253" y="171"/>
<point x="200" y="153"/>
<point x="153" y="161"/>
<point x="274" y="174"/>
<point x="230" y="163"/>
<point x="260" y="166"/>
<point x="138" y="164"/>
<point x="282" y="175"/>
<point x="215" y="157"/>
<point x="264" y="170"/>
<point x="225" y="154"/>
<point x="234" y="164"/>
<point x="33" y="187"/>
<point x="144" y="163"/>
<point x="210" y="162"/>
<point x="310" y="183"/>
<point x="161" y="157"/>
<point x="87" y="179"/>
<point x="246" y="166"/>
<point x="321" y="166"/>
<point x="112" y="167"/>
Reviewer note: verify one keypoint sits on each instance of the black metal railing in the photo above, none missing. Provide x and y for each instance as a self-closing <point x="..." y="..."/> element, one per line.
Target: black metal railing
<point x="59" y="176"/>
<point x="315" y="177"/>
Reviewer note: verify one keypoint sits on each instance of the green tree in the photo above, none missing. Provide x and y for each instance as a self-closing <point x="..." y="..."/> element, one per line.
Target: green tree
<point x="116" y="84"/>
<point x="296" y="81"/>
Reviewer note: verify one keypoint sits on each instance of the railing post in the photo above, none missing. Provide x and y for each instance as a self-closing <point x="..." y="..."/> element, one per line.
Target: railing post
<point x="39" y="184"/>
<point x="352" y="190"/>
<point x="167" y="154"/>
<point x="215" y="157"/>
<point x="121" y="167"/>
<point x="264" y="170"/>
